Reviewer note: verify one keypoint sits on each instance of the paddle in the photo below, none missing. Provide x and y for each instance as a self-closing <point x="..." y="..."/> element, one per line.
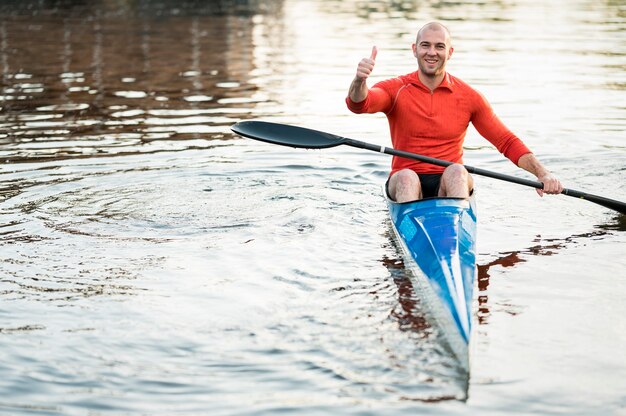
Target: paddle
<point x="300" y="137"/>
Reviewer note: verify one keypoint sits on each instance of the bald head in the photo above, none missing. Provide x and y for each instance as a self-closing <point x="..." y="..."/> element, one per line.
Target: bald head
<point x="434" y="26"/>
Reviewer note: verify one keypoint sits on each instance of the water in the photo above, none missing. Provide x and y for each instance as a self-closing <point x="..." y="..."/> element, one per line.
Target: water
<point x="153" y="263"/>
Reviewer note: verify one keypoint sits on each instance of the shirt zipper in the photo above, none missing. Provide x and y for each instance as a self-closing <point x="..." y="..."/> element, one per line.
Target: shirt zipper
<point x="432" y="95"/>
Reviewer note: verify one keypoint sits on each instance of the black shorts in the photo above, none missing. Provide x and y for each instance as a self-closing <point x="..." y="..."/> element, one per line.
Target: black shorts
<point x="430" y="184"/>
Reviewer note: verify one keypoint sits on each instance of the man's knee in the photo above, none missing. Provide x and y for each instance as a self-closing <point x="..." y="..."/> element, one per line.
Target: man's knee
<point x="456" y="181"/>
<point x="456" y="171"/>
<point x="404" y="185"/>
<point x="406" y="177"/>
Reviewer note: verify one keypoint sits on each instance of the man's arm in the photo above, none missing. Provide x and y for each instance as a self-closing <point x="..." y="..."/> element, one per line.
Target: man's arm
<point x="551" y="184"/>
<point x="491" y="127"/>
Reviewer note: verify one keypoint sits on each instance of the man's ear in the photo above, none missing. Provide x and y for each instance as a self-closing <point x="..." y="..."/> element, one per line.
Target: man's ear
<point x="450" y="52"/>
<point x="414" y="47"/>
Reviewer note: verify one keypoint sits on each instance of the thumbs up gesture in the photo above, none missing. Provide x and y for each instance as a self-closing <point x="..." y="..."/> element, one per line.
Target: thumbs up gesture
<point x="366" y="66"/>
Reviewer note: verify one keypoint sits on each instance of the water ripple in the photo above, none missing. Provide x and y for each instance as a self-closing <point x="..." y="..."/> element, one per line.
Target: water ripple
<point x="152" y="262"/>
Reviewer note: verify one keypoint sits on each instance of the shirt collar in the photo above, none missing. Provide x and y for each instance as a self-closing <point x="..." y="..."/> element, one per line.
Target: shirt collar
<point x="447" y="82"/>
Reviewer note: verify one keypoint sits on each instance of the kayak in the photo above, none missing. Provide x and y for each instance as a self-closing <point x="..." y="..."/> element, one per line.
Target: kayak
<point x="438" y="240"/>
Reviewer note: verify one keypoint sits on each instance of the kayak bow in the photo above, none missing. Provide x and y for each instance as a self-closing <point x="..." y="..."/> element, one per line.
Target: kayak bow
<point x="438" y="238"/>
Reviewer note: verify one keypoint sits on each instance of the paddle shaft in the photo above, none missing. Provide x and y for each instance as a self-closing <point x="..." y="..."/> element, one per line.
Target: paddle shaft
<point x="300" y="137"/>
<point x="600" y="200"/>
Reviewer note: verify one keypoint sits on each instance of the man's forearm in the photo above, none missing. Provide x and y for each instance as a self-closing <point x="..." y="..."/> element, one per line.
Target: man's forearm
<point x="531" y="164"/>
<point x="358" y="90"/>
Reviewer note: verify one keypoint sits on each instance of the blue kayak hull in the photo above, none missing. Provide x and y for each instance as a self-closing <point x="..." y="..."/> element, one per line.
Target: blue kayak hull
<point x="438" y="237"/>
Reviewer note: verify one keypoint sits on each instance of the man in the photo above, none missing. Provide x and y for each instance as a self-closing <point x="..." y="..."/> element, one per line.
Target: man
<point x="428" y="113"/>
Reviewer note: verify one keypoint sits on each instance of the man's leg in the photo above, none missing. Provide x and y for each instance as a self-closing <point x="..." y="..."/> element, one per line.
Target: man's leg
<point x="456" y="182"/>
<point x="404" y="186"/>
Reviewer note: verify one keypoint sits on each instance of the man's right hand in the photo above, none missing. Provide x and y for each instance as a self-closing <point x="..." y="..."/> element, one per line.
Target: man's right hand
<point x="366" y="66"/>
<point x="358" y="86"/>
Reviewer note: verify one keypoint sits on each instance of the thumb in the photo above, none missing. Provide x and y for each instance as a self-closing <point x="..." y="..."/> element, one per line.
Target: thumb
<point x="374" y="53"/>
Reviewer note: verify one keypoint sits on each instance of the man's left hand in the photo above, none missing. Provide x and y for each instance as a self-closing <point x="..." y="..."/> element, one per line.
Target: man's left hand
<point x="551" y="185"/>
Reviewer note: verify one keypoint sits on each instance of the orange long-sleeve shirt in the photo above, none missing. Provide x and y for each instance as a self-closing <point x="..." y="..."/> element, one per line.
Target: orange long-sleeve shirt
<point x="434" y="124"/>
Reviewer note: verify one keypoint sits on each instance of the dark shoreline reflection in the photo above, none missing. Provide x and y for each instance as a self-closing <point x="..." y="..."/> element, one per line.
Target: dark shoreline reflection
<point x="97" y="79"/>
<point x="152" y="8"/>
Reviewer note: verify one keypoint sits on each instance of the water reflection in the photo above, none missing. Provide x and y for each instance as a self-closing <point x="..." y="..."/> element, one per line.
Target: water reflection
<point x="434" y="359"/>
<point x="408" y="311"/>
<point x="126" y="208"/>
<point x="82" y="79"/>
<point x="544" y="247"/>
<point x="618" y="223"/>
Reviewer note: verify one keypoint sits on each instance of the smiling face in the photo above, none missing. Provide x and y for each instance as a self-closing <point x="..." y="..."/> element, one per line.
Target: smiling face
<point x="432" y="50"/>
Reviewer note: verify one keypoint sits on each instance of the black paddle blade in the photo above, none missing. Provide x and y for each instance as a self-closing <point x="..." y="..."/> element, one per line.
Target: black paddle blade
<point x="286" y="135"/>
